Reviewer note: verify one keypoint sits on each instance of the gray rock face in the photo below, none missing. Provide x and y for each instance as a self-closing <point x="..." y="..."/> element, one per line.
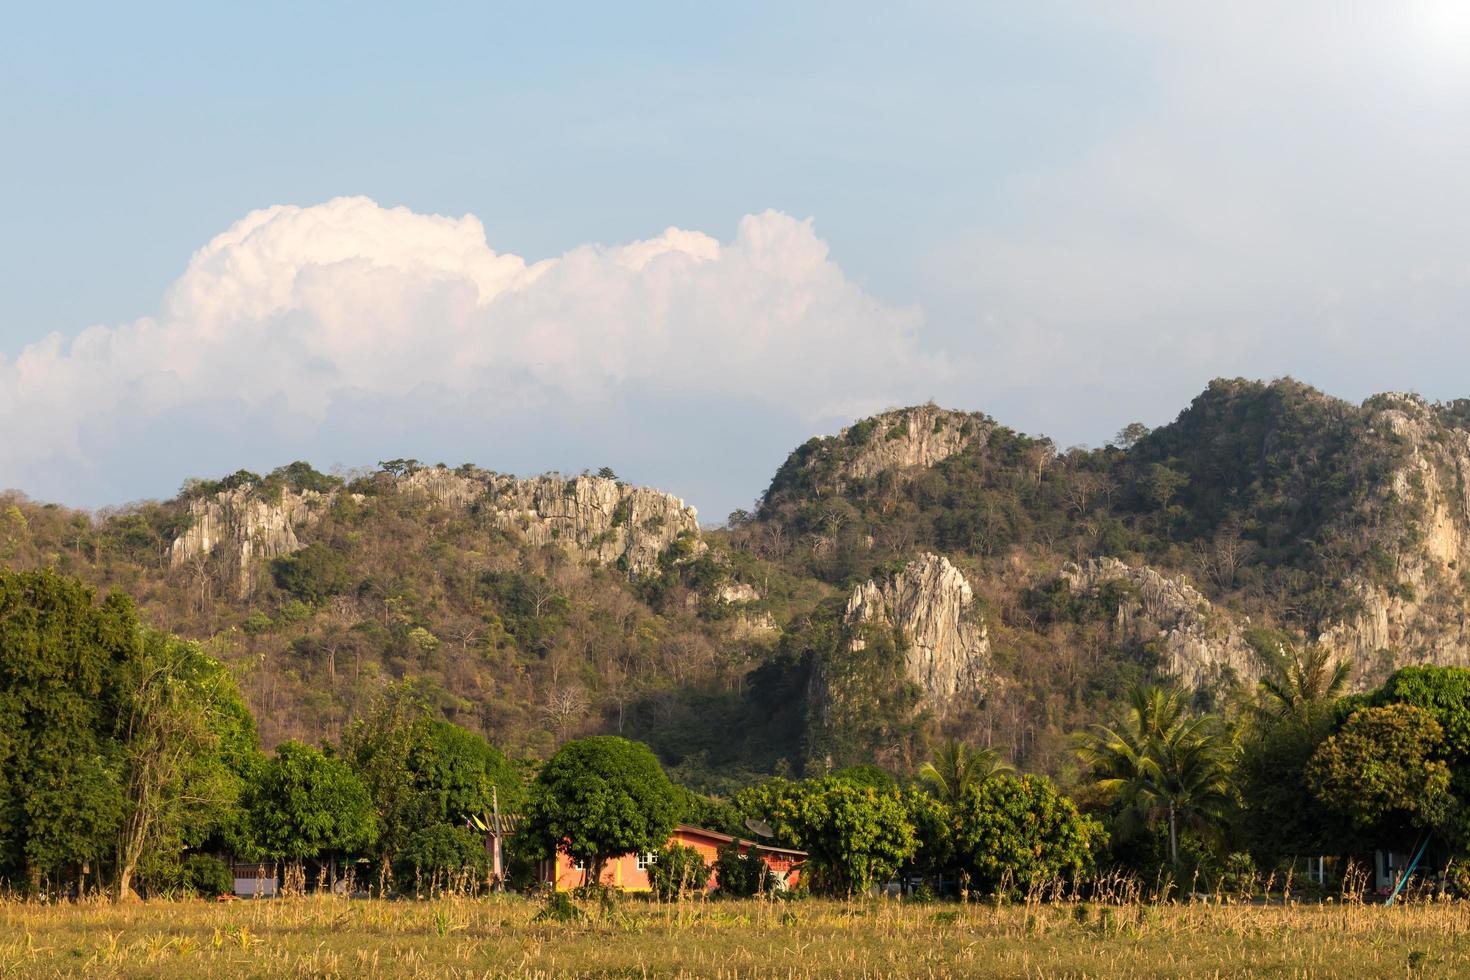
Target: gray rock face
<point x="244" y="529"/>
<point x="1201" y="645"/>
<point x="1424" y="619"/>
<point x="598" y="519"/>
<point x="910" y="437"/>
<point x="930" y="601"/>
<point x="595" y="519"/>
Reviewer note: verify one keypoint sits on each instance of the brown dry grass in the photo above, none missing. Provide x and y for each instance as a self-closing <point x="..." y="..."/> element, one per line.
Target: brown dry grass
<point x="494" y="937"/>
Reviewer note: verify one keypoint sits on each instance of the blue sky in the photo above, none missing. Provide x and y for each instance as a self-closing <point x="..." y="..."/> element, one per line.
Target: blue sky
<point x="1065" y="218"/>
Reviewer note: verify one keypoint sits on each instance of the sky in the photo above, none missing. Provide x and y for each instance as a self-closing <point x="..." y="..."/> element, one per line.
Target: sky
<point x="680" y="239"/>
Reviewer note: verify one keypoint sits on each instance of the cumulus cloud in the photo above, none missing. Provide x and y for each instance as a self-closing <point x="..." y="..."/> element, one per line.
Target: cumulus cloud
<point x="344" y="326"/>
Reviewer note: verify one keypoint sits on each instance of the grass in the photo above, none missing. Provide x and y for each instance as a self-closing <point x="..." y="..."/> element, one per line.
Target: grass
<point x="499" y="936"/>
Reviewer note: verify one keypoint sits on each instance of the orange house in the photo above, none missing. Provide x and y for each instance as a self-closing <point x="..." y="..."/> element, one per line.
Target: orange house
<point x="630" y="871"/>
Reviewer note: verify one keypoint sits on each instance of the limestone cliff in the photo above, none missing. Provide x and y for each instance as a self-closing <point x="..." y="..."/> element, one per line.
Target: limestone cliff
<point x="907" y="438"/>
<point x="596" y="519"/>
<point x="898" y="442"/>
<point x="599" y="519"/>
<point x="241" y="528"/>
<point x="932" y="604"/>
<point x="1201" y="646"/>
<point x="1414" y="609"/>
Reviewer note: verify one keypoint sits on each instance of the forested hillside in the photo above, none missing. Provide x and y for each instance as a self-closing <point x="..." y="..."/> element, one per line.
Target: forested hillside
<point x="922" y="573"/>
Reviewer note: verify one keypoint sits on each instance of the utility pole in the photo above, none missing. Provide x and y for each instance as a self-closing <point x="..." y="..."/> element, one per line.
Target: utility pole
<point x="497" y="859"/>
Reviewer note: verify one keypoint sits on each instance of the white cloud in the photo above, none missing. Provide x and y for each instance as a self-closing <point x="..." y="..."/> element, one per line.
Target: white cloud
<point x="347" y="319"/>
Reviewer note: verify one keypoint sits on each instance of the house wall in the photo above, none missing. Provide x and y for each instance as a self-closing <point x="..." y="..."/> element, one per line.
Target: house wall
<point x="623" y="871"/>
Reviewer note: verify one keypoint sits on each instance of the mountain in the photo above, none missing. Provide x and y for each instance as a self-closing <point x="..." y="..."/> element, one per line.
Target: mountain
<point x="924" y="571"/>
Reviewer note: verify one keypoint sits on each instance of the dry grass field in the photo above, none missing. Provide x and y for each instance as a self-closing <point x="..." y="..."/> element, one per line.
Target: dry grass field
<point x="502" y="937"/>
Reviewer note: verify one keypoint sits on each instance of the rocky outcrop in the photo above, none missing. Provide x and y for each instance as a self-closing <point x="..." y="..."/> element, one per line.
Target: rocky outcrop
<point x="1417" y="612"/>
<point x="595" y="519"/>
<point x="242" y="528"/>
<point x="934" y="607"/>
<point x="900" y="442"/>
<point x="907" y="438"/>
<point x="1200" y="646"/>
<point x="599" y="519"/>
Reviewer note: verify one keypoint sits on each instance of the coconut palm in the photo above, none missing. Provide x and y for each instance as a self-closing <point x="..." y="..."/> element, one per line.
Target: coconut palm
<point x="957" y="766"/>
<point x="1160" y="762"/>
<point x="1297" y="683"/>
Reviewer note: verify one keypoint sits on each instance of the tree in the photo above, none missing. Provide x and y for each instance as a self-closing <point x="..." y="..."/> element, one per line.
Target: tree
<point x="933" y="831"/>
<point x="1020" y="829"/>
<point x="422" y="772"/>
<point x="189" y="745"/>
<point x="856" y="836"/>
<point x="600" y="797"/>
<point x="65" y="662"/>
<point x="956" y="767"/>
<point x="443" y="856"/>
<point x="1380" y="771"/>
<point x="1297" y="684"/>
<point x="1162" y="483"/>
<point x="314" y="574"/>
<point x="1131" y="434"/>
<point x="302" y="804"/>
<point x="1158" y="762"/>
<point x="1445" y="693"/>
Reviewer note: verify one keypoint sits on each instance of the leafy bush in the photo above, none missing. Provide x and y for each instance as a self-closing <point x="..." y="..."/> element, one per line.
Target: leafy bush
<point x="560" y="908"/>
<point x="441" y="854"/>
<point x="208" y="877"/>
<point x="197" y="875"/>
<point x="313" y="574"/>
<point x="1021" y="830"/>
<point x="679" y="871"/>
<point x="740" y="875"/>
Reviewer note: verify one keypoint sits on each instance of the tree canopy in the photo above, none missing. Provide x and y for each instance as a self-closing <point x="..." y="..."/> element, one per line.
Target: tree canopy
<point x="600" y="797"/>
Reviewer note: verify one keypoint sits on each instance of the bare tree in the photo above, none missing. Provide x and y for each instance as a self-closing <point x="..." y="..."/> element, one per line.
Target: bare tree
<point x="564" y="705"/>
<point x="1220" y="560"/>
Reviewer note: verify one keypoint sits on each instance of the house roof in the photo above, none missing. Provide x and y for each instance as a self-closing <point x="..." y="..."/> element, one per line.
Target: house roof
<point x="685" y="828"/>
<point x="510" y="823"/>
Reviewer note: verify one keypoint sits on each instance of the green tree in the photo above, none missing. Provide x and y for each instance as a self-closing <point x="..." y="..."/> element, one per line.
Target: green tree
<point x="600" y="797"/>
<point x="1162" y="483"/>
<point x="442" y="856"/>
<point x="302" y="804"/>
<point x="1290" y="716"/>
<point x="934" y="832"/>
<point x="956" y="767"/>
<point x="856" y="836"/>
<point x="314" y="574"/>
<point x="189" y="745"/>
<point x="65" y="664"/>
<point x="1297" y="684"/>
<point x="421" y="772"/>
<point x="1159" y="762"/>
<point x="1380" y="771"/>
<point x="1445" y="693"/>
<point x="1020" y="829"/>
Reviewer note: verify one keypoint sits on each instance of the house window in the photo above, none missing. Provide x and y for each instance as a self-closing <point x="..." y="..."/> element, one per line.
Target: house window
<point x="579" y="864"/>
<point x="645" y="859"/>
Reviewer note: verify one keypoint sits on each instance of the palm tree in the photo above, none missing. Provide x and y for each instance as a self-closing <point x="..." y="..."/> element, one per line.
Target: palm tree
<point x="1298" y="682"/>
<point x="1159" y="761"/>
<point x="957" y="766"/>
